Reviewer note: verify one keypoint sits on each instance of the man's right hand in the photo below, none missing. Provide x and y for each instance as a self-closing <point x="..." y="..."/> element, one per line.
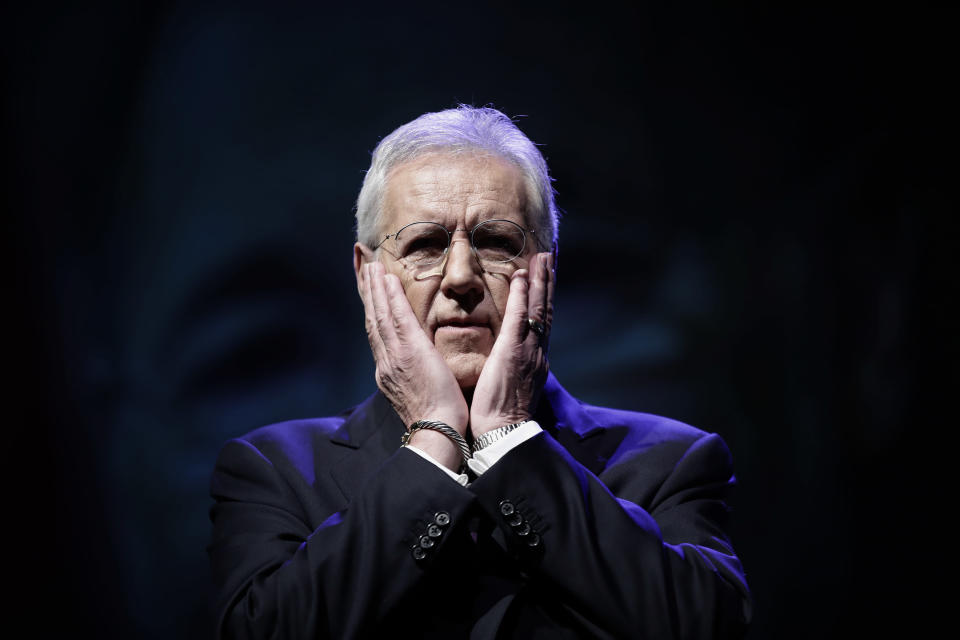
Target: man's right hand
<point x="411" y="373"/>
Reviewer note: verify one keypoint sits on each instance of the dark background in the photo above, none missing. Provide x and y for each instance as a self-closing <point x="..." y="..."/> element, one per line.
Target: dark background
<point x="755" y="240"/>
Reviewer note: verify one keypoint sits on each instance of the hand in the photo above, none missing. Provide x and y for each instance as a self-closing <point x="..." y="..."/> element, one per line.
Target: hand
<point x="513" y="375"/>
<point x="410" y="371"/>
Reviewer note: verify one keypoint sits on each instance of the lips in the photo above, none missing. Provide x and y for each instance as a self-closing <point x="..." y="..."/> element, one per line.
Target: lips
<point x="463" y="324"/>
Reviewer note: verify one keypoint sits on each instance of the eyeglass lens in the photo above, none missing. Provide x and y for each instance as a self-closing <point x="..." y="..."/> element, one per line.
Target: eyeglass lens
<point x="495" y="241"/>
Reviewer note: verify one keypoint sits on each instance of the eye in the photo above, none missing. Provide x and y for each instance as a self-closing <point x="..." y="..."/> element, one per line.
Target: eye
<point x="422" y="242"/>
<point x="498" y="241"/>
<point x="491" y="242"/>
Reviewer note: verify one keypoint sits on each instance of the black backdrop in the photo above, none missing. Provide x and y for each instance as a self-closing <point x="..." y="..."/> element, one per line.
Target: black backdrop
<point x="755" y="241"/>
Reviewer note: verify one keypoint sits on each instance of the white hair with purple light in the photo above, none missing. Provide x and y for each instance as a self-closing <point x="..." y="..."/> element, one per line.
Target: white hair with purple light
<point x="464" y="130"/>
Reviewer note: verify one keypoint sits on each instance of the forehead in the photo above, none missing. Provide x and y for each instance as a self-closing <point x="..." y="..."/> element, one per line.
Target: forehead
<point x="454" y="190"/>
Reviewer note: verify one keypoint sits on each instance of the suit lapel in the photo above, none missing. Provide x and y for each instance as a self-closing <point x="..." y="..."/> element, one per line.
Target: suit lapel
<point x="559" y="412"/>
<point x="576" y="428"/>
<point x="371" y="434"/>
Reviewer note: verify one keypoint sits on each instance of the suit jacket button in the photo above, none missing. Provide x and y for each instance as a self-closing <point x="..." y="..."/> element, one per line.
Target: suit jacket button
<point x="434" y="531"/>
<point x="515" y="520"/>
<point x="441" y="518"/>
<point x="418" y="553"/>
<point x="522" y="529"/>
<point x="506" y="508"/>
<point x="426" y="542"/>
<point x="533" y="540"/>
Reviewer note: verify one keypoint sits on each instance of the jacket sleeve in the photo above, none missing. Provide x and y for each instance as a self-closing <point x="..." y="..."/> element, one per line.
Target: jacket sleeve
<point x="278" y="577"/>
<point x="607" y="566"/>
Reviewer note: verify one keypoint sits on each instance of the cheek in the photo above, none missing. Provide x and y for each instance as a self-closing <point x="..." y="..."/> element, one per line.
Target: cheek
<point x="420" y="295"/>
<point x="499" y="292"/>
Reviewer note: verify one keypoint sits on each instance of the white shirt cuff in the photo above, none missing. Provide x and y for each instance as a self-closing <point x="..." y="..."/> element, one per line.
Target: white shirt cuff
<point x="488" y="456"/>
<point x="459" y="477"/>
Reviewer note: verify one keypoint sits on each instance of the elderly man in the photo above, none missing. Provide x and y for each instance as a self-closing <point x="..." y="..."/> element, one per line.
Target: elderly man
<point x="471" y="496"/>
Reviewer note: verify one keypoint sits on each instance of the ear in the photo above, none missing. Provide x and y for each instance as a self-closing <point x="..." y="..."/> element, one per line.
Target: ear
<point x="362" y="254"/>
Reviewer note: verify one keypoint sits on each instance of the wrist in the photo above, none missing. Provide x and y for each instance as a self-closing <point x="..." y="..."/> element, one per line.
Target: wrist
<point x="494" y="435"/>
<point x="455" y="442"/>
<point x="453" y="418"/>
<point x="485" y="425"/>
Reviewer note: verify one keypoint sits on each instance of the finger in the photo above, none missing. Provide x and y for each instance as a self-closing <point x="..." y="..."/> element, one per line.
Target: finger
<point x="381" y="305"/>
<point x="373" y="331"/>
<point x="515" y="315"/>
<point x="549" y="284"/>
<point x="551" y="277"/>
<point x="404" y="320"/>
<point x="538" y="288"/>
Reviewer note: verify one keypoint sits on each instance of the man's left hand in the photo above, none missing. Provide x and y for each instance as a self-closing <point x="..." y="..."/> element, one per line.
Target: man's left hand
<point x="513" y="375"/>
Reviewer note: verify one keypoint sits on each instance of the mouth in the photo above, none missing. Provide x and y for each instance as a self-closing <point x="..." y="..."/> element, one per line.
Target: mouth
<point x="463" y="326"/>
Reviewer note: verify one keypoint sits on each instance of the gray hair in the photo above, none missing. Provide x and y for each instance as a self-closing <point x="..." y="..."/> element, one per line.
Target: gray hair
<point x="457" y="131"/>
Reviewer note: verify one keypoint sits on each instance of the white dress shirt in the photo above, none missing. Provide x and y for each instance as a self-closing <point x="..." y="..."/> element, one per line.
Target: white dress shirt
<point x="488" y="456"/>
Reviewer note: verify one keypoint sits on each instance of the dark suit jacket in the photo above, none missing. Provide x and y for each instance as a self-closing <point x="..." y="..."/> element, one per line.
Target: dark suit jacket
<point x="608" y="524"/>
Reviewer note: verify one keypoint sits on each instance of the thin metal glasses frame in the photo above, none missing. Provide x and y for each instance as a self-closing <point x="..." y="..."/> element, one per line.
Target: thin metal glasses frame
<point x="470" y="234"/>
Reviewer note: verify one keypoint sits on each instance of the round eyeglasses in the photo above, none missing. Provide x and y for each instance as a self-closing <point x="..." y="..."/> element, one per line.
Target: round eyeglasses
<point x="424" y="244"/>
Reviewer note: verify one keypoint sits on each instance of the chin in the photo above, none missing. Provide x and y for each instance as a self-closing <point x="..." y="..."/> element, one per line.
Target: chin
<point x="466" y="368"/>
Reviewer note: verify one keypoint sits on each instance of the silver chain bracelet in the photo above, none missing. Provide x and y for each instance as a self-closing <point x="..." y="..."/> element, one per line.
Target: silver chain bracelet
<point x="442" y="427"/>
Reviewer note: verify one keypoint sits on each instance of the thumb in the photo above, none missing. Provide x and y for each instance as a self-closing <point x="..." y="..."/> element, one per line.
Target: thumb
<point x="515" y="315"/>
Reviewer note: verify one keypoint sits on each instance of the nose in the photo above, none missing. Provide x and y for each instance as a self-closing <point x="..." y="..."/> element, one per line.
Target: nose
<point x="461" y="277"/>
